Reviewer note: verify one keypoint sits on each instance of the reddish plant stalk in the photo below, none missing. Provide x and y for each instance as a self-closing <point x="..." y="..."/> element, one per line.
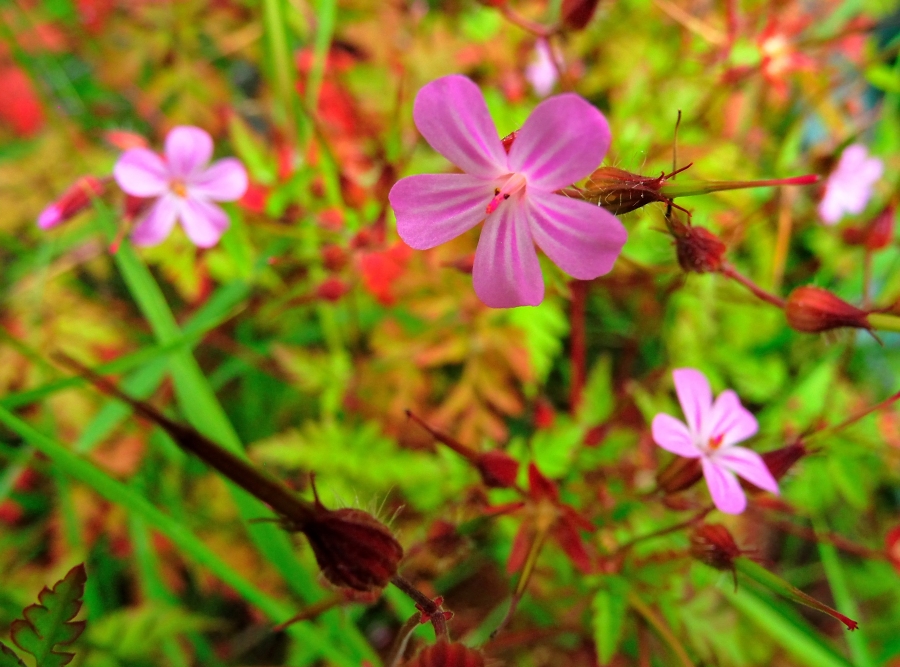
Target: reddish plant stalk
<point x="759" y="292"/>
<point x="578" y="342"/>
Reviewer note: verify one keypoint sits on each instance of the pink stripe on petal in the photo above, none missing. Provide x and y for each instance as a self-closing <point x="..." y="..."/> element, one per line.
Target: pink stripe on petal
<point x="730" y="420"/>
<point x="673" y="436"/>
<point x="188" y="150"/>
<point x="694" y="395"/>
<point x="563" y="140"/>
<point x="142" y="173"/>
<point x="582" y="239"/>
<point x="749" y="465"/>
<point x="452" y="116"/>
<point x="506" y="271"/>
<point x="225" y="180"/>
<point x="203" y="221"/>
<point x="158" y="222"/>
<point x="431" y="209"/>
<point x="724" y="488"/>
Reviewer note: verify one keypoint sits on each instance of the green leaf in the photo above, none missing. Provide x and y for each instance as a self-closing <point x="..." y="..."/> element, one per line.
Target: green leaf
<point x="776" y="584"/>
<point x="8" y="658"/>
<point x="610" y="605"/>
<point x="49" y="624"/>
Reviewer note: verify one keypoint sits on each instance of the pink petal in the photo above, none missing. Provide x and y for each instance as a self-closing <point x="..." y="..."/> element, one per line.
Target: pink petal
<point x="506" y="271"/>
<point x="49" y="217"/>
<point x="831" y="209"/>
<point x="852" y="158"/>
<point x="749" y="465"/>
<point x="582" y="239"/>
<point x="673" y="436"/>
<point x="203" y="221"/>
<point x="730" y="420"/>
<point x="431" y="209"/>
<point x="225" y="180"/>
<point x="158" y="222"/>
<point x="188" y="150"/>
<point x="452" y="116"/>
<point x="694" y="395"/>
<point x="142" y="173"/>
<point x="563" y="140"/>
<point x="724" y="488"/>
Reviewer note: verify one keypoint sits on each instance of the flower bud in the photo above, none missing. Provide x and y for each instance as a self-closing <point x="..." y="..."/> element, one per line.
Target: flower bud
<point x="713" y="545"/>
<point x="73" y="201"/>
<point x="813" y="310"/>
<point x="334" y="257"/>
<point x="498" y="469"/>
<point x="353" y="549"/>
<point x="447" y="654"/>
<point x="576" y="14"/>
<point x="682" y="473"/>
<point x="892" y="547"/>
<point x="620" y="191"/>
<point x="877" y="234"/>
<point x="779" y="461"/>
<point x="698" y="249"/>
<point x="332" y="289"/>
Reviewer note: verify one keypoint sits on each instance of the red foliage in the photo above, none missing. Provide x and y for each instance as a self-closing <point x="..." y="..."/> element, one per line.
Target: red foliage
<point x="382" y="268"/>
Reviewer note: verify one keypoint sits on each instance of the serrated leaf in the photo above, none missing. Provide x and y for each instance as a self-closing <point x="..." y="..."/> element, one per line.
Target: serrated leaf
<point x="8" y="658"/>
<point x="610" y="605"/>
<point x="49" y="624"/>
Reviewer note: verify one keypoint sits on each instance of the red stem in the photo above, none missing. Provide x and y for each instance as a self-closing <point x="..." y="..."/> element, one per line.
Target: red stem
<point x="777" y="301"/>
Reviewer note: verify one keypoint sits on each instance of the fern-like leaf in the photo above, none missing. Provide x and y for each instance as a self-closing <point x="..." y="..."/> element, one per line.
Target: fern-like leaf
<point x="8" y="657"/>
<point x="48" y="624"/>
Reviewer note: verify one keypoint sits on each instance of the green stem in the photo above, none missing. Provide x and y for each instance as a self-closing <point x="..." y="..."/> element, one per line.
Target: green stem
<point x="884" y="322"/>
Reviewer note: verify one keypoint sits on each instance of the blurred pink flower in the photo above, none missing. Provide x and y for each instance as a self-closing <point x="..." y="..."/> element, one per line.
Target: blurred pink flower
<point x="562" y="141"/>
<point x="711" y="432"/>
<point x="849" y="187"/>
<point x="541" y="72"/>
<point x="183" y="185"/>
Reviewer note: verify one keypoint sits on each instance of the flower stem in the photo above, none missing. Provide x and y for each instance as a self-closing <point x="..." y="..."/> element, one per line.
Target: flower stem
<point x="578" y="343"/>
<point x="425" y="604"/>
<point x="777" y="301"/>
<point x="884" y="322"/>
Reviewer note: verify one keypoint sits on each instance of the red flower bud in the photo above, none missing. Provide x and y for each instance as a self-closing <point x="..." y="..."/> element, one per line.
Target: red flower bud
<point x="353" y="549"/>
<point x="712" y="544"/>
<point x="813" y="309"/>
<point x="332" y="289"/>
<point x="498" y="469"/>
<point x="446" y="654"/>
<point x="682" y="473"/>
<point x="698" y="249"/>
<point x="779" y="461"/>
<point x="576" y="14"/>
<point x="334" y="257"/>
<point x="878" y="233"/>
<point x="72" y="202"/>
<point x="620" y="191"/>
<point x="892" y="547"/>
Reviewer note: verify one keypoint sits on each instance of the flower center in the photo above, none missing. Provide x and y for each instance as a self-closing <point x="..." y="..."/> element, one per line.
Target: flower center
<point x="513" y="184"/>
<point x="179" y="188"/>
<point x="715" y="442"/>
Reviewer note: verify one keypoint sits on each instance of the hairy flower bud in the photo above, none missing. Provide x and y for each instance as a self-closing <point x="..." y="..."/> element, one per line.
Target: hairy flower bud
<point x="620" y="191"/>
<point x="813" y="310"/>
<point x="447" y="654"/>
<point x="73" y="201"/>
<point x="713" y="545"/>
<point x="682" y="473"/>
<point x="353" y="548"/>
<point x="698" y="249"/>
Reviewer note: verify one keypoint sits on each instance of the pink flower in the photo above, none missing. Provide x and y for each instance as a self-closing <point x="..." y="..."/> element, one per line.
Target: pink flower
<point x="183" y="185"/>
<point x="711" y="432"/>
<point x="849" y="187"/>
<point x="541" y="72"/>
<point x="562" y="141"/>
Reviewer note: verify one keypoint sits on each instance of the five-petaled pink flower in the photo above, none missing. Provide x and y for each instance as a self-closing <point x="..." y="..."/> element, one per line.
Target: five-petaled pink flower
<point x="563" y="140"/>
<point x="183" y="185"/>
<point x="711" y="432"/>
<point x="849" y="187"/>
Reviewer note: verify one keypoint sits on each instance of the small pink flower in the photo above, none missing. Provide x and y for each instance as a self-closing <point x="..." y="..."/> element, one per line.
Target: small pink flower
<point x="541" y="72"/>
<point x="849" y="187"/>
<point x="711" y="432"/>
<point x="183" y="185"/>
<point x="563" y="140"/>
